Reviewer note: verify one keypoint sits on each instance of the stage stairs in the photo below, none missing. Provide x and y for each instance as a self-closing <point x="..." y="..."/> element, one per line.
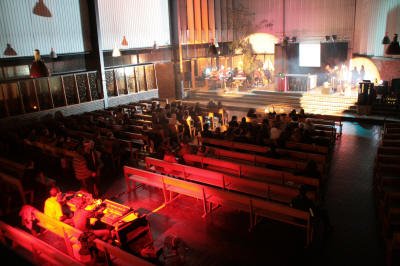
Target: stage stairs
<point x="262" y="100"/>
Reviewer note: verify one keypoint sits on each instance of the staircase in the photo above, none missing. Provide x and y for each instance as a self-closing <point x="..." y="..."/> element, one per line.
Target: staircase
<point x="279" y="102"/>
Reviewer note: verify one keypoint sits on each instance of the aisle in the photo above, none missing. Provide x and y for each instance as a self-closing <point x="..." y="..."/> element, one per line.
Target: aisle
<point x="350" y="201"/>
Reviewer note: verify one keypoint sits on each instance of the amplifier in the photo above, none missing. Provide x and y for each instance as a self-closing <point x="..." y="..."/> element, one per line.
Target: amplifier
<point x="127" y="232"/>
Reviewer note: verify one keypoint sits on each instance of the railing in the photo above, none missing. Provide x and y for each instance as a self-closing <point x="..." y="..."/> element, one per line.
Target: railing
<point x="32" y="95"/>
<point x="130" y="79"/>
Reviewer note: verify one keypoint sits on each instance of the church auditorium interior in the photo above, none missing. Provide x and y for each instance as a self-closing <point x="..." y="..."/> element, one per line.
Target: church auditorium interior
<point x="200" y="132"/>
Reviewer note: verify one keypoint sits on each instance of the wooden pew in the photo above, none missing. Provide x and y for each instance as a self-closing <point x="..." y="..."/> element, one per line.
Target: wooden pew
<point x="390" y="142"/>
<point x="389" y="150"/>
<point x="40" y="252"/>
<point x="266" y="190"/>
<point x="254" y="206"/>
<point x="325" y="123"/>
<point x="259" y="159"/>
<point x="71" y="235"/>
<point x="16" y="184"/>
<point x="307" y="147"/>
<point x="319" y="158"/>
<point x="249" y="171"/>
<point x="17" y="170"/>
<point x="142" y="117"/>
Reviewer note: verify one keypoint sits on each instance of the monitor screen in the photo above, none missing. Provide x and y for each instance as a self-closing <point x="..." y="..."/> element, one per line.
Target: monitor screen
<point x="309" y="54"/>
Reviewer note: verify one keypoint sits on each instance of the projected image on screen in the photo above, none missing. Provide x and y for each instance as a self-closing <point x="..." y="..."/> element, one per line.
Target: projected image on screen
<point x="309" y="55"/>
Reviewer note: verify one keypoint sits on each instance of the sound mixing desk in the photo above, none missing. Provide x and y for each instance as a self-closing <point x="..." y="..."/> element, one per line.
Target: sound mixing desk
<point x="115" y="213"/>
<point x="128" y="225"/>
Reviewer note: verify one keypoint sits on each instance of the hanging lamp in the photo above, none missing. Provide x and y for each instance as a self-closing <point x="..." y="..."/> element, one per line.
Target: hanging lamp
<point x="40" y="9"/>
<point x="9" y="51"/>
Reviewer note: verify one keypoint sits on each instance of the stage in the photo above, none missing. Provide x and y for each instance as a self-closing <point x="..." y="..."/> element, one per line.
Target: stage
<point x="320" y="100"/>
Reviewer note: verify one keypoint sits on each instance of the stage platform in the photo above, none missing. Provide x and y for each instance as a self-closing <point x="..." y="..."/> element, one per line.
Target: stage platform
<point x="339" y="105"/>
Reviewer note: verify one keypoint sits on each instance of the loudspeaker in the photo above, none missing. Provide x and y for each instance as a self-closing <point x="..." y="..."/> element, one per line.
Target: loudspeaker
<point x="396" y="85"/>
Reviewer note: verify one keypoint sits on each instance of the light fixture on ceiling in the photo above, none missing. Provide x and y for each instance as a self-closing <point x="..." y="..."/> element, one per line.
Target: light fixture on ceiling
<point x="53" y="54"/>
<point x="40" y="9"/>
<point x="386" y="39"/>
<point x="394" y="47"/>
<point x="9" y="51"/>
<point x="124" y="41"/>
<point x="116" y="52"/>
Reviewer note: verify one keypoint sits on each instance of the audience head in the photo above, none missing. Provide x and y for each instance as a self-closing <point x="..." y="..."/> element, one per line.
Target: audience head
<point x="54" y="191"/>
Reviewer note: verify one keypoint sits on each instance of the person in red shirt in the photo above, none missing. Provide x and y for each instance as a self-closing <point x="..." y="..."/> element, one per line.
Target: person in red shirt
<point x="38" y="68"/>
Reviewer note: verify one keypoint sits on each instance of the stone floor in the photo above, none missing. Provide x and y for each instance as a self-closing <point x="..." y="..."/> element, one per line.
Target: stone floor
<point x="223" y="237"/>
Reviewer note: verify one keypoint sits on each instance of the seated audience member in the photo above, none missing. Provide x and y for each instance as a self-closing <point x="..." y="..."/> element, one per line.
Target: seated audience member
<point x="311" y="170"/>
<point x="206" y="133"/>
<point x="302" y="202"/>
<point x="275" y="134"/>
<point x="211" y="104"/>
<point x="309" y="126"/>
<point x="302" y="114"/>
<point x="202" y="151"/>
<point x="296" y="135"/>
<point x="53" y="206"/>
<point x="233" y="123"/>
<point x="292" y="113"/>
<point x="184" y="149"/>
<point x="318" y="214"/>
<point x="169" y="156"/>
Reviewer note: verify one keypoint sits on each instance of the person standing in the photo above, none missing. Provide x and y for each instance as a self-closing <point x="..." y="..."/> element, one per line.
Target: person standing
<point x="354" y="75"/>
<point x="362" y="73"/>
<point x="38" y="68"/>
<point x="83" y="172"/>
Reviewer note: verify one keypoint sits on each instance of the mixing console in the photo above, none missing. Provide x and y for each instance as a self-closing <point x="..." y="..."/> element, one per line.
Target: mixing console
<point x="113" y="212"/>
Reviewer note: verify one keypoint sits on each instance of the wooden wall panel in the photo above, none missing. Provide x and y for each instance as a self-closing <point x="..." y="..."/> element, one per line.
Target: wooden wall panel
<point x="197" y="20"/>
<point x="190" y="20"/>
<point x="204" y="20"/>
<point x="211" y="20"/>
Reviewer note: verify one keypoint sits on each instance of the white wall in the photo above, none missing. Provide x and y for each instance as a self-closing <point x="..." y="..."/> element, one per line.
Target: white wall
<point x="141" y="21"/>
<point x="373" y="19"/>
<point x="65" y="31"/>
<point x="361" y="22"/>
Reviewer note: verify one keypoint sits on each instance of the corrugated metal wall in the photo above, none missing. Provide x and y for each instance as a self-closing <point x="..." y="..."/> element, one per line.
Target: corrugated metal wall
<point x="26" y="31"/>
<point x="373" y="19"/>
<point x="141" y="21"/>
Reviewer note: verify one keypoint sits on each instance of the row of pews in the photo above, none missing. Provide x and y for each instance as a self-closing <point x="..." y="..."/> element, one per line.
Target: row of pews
<point x="387" y="190"/>
<point x="240" y="176"/>
<point x="41" y="250"/>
